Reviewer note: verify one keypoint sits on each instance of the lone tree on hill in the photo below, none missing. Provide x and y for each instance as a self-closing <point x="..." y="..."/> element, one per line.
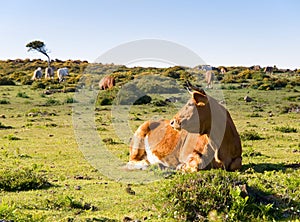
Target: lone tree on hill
<point x="40" y="47"/>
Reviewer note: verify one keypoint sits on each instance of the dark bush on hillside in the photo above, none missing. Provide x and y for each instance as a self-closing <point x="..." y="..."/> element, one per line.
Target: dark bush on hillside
<point x="52" y="102"/>
<point x="106" y="97"/>
<point x="22" y="95"/>
<point x="4" y="101"/>
<point x="143" y="100"/>
<point x="246" y="74"/>
<point x="2" y="126"/>
<point x="174" y="72"/>
<point x="4" y="81"/>
<point x="19" y="75"/>
<point x="259" y="76"/>
<point x="229" y="78"/>
<point x="38" y="85"/>
<point x="266" y="86"/>
<point x="70" y="100"/>
<point x="26" y="80"/>
<point x="105" y="101"/>
<point x="280" y="83"/>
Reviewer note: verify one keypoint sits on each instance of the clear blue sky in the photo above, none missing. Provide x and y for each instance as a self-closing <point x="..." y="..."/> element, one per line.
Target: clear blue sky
<point x="231" y="32"/>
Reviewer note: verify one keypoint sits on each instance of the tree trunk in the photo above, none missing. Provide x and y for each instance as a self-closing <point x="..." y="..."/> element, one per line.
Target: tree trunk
<point x="48" y="61"/>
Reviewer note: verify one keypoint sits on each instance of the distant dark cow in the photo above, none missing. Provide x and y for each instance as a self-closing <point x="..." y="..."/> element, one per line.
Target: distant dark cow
<point x="248" y="99"/>
<point x="206" y="116"/>
<point x="156" y="142"/>
<point x="205" y="67"/>
<point x="209" y="78"/>
<point x="107" y="82"/>
<point x="268" y="70"/>
<point x="49" y="73"/>
<point x="37" y="74"/>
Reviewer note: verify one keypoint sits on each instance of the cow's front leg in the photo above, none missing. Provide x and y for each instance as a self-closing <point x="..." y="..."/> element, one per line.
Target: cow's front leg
<point x="192" y="163"/>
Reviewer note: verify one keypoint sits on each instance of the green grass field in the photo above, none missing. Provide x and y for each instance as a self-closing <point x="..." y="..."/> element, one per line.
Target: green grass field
<point x="38" y="144"/>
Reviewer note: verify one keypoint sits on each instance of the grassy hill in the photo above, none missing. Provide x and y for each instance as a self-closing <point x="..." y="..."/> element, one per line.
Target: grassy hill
<point x="47" y="172"/>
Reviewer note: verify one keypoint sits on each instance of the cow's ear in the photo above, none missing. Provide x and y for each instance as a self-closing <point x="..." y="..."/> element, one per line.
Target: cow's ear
<point x="200" y="99"/>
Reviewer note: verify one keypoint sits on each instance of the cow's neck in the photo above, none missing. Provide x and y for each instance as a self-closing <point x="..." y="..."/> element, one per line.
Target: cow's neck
<point x="216" y="123"/>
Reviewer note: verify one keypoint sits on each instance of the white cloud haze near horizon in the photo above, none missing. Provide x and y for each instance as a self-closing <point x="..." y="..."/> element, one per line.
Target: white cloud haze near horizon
<point x="264" y="32"/>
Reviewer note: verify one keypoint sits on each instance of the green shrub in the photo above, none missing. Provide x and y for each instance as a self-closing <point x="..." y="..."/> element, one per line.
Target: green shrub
<point x="229" y="77"/>
<point x="70" y="100"/>
<point x="26" y="80"/>
<point x="38" y="85"/>
<point x="4" y="81"/>
<point x="4" y="127"/>
<point x="266" y="86"/>
<point x="210" y="196"/>
<point x="67" y="203"/>
<point x="52" y="102"/>
<point x="259" y="76"/>
<point x="231" y="87"/>
<point x="250" y="135"/>
<point x="4" y="101"/>
<point x="21" y="179"/>
<point x="6" y="211"/>
<point x="175" y="72"/>
<point x="286" y="129"/>
<point x="255" y="115"/>
<point x="22" y="95"/>
<point x="280" y="83"/>
<point x="106" y="97"/>
<point x="12" y="137"/>
<point x="105" y="101"/>
<point x="245" y="74"/>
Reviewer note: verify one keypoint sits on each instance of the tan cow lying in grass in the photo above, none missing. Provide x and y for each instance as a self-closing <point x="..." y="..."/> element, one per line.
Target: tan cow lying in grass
<point x="156" y="142"/>
<point x="204" y="115"/>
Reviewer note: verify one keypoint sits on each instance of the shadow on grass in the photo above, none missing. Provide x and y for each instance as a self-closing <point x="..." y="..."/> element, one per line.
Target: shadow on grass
<point x="262" y="167"/>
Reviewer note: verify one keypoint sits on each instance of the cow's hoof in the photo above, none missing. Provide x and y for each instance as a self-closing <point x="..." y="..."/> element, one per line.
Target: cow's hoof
<point x="136" y="165"/>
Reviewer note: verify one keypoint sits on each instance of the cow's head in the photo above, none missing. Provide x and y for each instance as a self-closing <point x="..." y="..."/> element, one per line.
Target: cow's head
<point x="195" y="116"/>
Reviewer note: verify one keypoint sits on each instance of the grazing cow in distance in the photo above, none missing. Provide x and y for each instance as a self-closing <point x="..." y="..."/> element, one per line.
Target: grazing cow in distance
<point x="204" y="115"/>
<point x="268" y="70"/>
<point x="61" y="73"/>
<point x="49" y="73"/>
<point x="209" y="78"/>
<point x="248" y="99"/>
<point x="37" y="74"/>
<point x="256" y="68"/>
<point x="223" y="70"/>
<point x="156" y="142"/>
<point x="107" y="82"/>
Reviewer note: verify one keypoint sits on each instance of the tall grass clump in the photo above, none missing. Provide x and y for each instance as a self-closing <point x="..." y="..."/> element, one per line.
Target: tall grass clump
<point x="4" y="101"/>
<point x="52" y="102"/>
<point x="22" y="95"/>
<point x="21" y="179"/>
<point x="250" y="135"/>
<point x="214" y="195"/>
<point x="286" y="129"/>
